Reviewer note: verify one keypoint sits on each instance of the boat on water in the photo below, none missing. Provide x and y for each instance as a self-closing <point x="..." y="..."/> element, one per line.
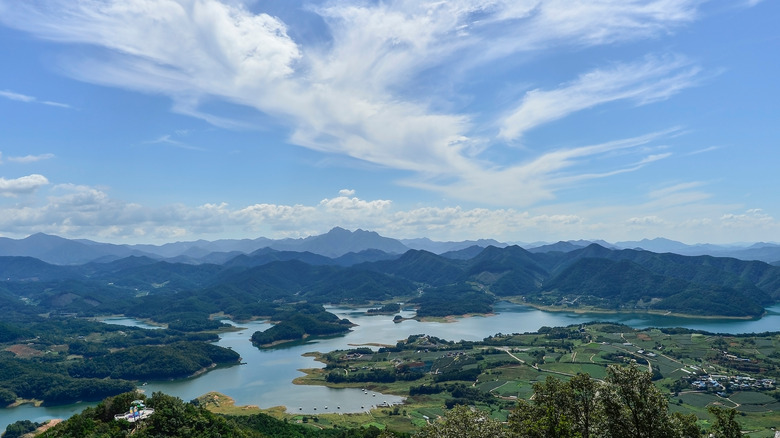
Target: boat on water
<point x="138" y="411"/>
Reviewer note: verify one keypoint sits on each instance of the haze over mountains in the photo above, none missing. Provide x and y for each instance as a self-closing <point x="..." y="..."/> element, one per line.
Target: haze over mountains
<point x="337" y="243"/>
<point x="469" y="280"/>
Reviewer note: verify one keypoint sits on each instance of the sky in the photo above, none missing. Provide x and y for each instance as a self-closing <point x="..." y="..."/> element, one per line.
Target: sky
<point x="152" y="121"/>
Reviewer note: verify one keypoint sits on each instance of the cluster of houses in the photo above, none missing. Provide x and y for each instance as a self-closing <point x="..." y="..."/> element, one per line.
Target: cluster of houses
<point x="455" y="354"/>
<point x="734" y="357"/>
<point x="352" y="356"/>
<point x="732" y="383"/>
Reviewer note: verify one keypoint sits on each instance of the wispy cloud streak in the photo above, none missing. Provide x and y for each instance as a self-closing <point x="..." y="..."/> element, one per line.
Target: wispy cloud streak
<point x="642" y="82"/>
<point x="169" y="140"/>
<point x="30" y="99"/>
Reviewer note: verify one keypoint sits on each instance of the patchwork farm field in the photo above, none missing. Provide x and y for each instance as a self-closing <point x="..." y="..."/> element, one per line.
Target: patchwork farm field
<point x="492" y="375"/>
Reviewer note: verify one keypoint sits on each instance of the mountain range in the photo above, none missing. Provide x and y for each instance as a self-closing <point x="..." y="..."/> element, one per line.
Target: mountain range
<point x="468" y="280"/>
<point x="337" y="242"/>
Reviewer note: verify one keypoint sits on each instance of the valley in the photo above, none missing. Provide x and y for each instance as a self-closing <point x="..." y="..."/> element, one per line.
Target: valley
<point x="286" y="303"/>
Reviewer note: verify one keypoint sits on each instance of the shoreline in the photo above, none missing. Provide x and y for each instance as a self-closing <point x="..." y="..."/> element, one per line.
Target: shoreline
<point x="25" y="401"/>
<point x="579" y="310"/>
<point x="310" y="379"/>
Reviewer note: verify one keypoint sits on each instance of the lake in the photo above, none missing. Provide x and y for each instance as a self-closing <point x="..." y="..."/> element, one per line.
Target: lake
<point x="265" y="378"/>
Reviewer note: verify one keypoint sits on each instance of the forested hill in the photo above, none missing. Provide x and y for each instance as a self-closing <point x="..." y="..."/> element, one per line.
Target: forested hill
<point x="260" y="285"/>
<point x="598" y="277"/>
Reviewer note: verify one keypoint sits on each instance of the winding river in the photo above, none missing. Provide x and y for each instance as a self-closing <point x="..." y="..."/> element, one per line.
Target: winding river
<point x="265" y="378"/>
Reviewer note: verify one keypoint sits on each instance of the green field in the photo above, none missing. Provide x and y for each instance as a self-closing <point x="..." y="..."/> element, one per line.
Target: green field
<point x="491" y="375"/>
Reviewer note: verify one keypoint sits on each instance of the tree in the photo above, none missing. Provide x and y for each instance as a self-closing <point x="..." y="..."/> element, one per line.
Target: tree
<point x="635" y="408"/>
<point x="584" y="410"/>
<point x="550" y="413"/>
<point x="464" y="422"/>
<point x="18" y="429"/>
<point x="725" y="425"/>
<point x="6" y="397"/>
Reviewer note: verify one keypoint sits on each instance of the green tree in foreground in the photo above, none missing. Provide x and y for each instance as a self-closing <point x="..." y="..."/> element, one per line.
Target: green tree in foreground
<point x="625" y="405"/>
<point x="549" y="415"/>
<point x="725" y="425"/>
<point x="634" y="407"/>
<point x="464" y="422"/>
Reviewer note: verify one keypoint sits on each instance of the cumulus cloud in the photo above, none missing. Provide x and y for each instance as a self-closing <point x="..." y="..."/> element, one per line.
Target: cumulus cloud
<point x="754" y="217"/>
<point x="22" y="186"/>
<point x="358" y="91"/>
<point x="645" y="221"/>
<point x="78" y="211"/>
<point x="83" y="211"/>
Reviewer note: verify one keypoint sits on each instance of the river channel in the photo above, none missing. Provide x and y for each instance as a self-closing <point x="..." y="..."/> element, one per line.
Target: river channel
<point x="265" y="377"/>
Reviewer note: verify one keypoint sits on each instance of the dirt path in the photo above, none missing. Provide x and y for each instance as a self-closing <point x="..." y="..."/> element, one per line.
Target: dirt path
<point x="506" y="350"/>
<point x="48" y="425"/>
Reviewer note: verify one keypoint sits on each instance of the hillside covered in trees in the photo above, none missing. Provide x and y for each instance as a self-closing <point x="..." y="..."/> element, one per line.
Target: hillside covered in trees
<point x="256" y="286"/>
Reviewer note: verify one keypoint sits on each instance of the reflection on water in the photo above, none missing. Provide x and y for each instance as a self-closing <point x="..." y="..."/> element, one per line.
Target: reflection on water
<point x="265" y="378"/>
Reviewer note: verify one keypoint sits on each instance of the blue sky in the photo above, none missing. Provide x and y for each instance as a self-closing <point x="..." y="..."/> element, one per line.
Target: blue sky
<point x="526" y="120"/>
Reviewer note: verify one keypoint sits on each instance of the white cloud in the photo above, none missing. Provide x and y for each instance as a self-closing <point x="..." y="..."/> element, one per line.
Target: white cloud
<point x="352" y="210"/>
<point x="752" y="218"/>
<point x="704" y="150"/>
<point x="16" y="96"/>
<point x="596" y="22"/>
<point x="645" y="221"/>
<point x="346" y="192"/>
<point x="22" y="186"/>
<point x="538" y="179"/>
<point x="169" y="140"/>
<point x="30" y="158"/>
<point x="358" y="93"/>
<point x="654" y="157"/>
<point x="642" y="82"/>
<point x="673" y="189"/>
<point x="76" y="211"/>
<point x="29" y="99"/>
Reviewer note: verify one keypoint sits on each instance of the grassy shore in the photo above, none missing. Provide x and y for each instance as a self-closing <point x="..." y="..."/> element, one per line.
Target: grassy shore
<point x="406" y="421"/>
<point x="588" y="309"/>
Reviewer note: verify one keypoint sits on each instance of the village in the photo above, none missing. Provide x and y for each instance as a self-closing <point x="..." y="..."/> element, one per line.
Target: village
<point x="720" y="383"/>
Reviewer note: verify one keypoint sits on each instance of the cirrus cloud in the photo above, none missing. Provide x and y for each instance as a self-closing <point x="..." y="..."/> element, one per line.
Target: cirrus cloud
<point x="359" y="90"/>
